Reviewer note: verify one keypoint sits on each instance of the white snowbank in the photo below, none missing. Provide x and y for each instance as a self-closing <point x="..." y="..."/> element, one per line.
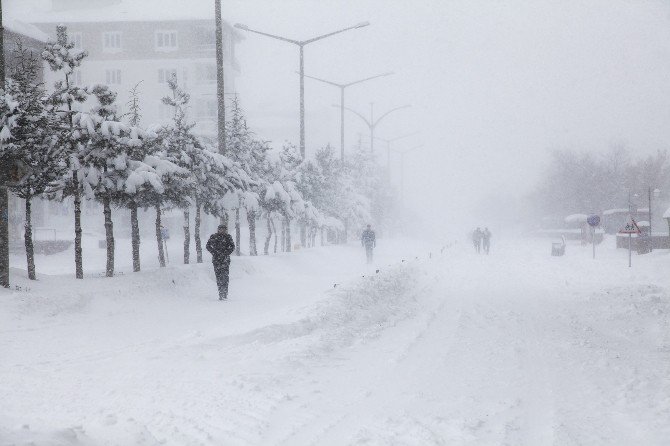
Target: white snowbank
<point x="456" y="348"/>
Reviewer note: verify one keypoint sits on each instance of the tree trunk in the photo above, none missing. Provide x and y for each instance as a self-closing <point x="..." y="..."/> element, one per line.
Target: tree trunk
<point x="224" y="219"/>
<point x="251" y="219"/>
<point x="135" y="235"/>
<point x="268" y="237"/>
<point x="283" y="235"/>
<point x="196" y="233"/>
<point x="187" y="237"/>
<point x="346" y="231"/>
<point x="303" y="234"/>
<point x="274" y="231"/>
<point x="4" y="230"/>
<point x="78" y="258"/>
<point x="159" y="237"/>
<point x="30" y="251"/>
<point x="288" y="235"/>
<point x="237" y="232"/>
<point x="321" y="235"/>
<point x="109" y="234"/>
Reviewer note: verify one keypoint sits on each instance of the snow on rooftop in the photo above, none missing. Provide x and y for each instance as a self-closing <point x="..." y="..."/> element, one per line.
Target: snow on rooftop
<point x="576" y="218"/>
<point x="666" y="214"/>
<point x="644" y="223"/>
<point x="25" y="29"/>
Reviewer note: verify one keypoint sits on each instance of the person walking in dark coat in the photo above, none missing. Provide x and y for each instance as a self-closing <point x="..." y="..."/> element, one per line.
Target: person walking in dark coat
<point x="221" y="246"/>
<point x="477" y="240"/>
<point x="368" y="241"/>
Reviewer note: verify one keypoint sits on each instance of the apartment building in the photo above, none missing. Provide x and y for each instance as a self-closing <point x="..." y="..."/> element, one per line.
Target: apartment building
<point x="145" y="43"/>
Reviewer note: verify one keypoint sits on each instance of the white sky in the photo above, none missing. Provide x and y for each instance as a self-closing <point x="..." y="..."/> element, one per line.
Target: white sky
<point x="494" y="85"/>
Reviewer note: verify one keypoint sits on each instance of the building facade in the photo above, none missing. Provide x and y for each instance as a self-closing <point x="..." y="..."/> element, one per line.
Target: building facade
<point x="129" y="47"/>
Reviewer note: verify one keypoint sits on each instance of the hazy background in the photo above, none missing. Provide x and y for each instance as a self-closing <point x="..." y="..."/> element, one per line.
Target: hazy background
<point x="493" y="85"/>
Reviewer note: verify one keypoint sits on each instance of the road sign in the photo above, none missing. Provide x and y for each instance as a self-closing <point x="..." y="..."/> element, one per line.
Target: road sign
<point x="630" y="228"/>
<point x="593" y="220"/>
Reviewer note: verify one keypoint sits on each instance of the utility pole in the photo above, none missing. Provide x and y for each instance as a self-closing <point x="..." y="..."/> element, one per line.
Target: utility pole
<point x="4" y="177"/>
<point x="372" y="123"/>
<point x="651" y="234"/>
<point x="301" y="44"/>
<point x="220" y="90"/>
<point x="342" y="87"/>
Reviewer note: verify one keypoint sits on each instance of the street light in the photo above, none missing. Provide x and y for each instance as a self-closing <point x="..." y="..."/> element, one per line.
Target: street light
<point x="372" y="123"/>
<point x="301" y="44"/>
<point x="388" y="149"/>
<point x="342" y="87"/>
<point x="402" y="171"/>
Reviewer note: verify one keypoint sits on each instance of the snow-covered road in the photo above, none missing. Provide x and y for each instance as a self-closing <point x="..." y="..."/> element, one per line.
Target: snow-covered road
<point x="514" y="348"/>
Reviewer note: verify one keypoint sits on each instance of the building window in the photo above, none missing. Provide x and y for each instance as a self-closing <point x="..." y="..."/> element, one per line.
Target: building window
<point x="76" y="78"/>
<point x="164" y="74"/>
<point x="111" y="41"/>
<point x="206" y="109"/>
<point x="206" y="73"/>
<point x="113" y="77"/>
<point x="166" y="40"/>
<point x="76" y="39"/>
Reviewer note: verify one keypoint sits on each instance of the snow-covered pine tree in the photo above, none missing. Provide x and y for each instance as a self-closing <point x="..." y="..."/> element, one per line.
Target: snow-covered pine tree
<point x="216" y="176"/>
<point x="62" y="58"/>
<point x="134" y="116"/>
<point x="33" y="140"/>
<point x="181" y="147"/>
<point x="311" y="184"/>
<point x="332" y="192"/>
<point x="103" y="158"/>
<point x="368" y="182"/>
<point x="250" y="153"/>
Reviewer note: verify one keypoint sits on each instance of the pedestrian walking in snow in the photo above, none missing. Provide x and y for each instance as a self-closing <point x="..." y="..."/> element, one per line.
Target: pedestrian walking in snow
<point x="221" y="246"/>
<point x="477" y="240"/>
<point x="369" y="242"/>
<point x="486" y="239"/>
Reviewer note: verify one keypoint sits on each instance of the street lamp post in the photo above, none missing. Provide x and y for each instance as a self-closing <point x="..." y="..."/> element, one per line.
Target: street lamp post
<point x="301" y="44"/>
<point x="220" y="90"/>
<point x="372" y="123"/>
<point x="342" y="87"/>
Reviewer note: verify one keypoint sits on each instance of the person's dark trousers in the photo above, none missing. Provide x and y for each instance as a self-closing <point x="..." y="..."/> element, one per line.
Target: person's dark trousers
<point x="368" y="252"/>
<point x="222" y="273"/>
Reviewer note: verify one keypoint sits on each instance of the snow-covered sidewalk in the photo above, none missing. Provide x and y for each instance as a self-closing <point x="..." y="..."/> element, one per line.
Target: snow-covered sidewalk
<point x="513" y="348"/>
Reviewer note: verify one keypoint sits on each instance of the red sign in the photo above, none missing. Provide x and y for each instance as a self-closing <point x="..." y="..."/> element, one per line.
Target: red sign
<point x="630" y="228"/>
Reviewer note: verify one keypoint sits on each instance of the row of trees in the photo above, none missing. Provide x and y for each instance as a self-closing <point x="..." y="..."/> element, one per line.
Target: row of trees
<point x="577" y="182"/>
<point x="72" y="142"/>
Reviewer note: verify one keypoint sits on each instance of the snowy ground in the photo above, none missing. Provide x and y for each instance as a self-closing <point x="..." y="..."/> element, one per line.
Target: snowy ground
<point x="513" y="348"/>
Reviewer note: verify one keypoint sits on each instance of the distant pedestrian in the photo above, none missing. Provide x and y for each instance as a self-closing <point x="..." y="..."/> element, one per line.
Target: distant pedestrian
<point x="221" y="246"/>
<point x="486" y="239"/>
<point x="477" y="240"/>
<point x="369" y="242"/>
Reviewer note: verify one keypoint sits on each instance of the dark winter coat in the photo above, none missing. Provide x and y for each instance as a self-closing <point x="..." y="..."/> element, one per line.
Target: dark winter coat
<point x="368" y="238"/>
<point x="221" y="246"/>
